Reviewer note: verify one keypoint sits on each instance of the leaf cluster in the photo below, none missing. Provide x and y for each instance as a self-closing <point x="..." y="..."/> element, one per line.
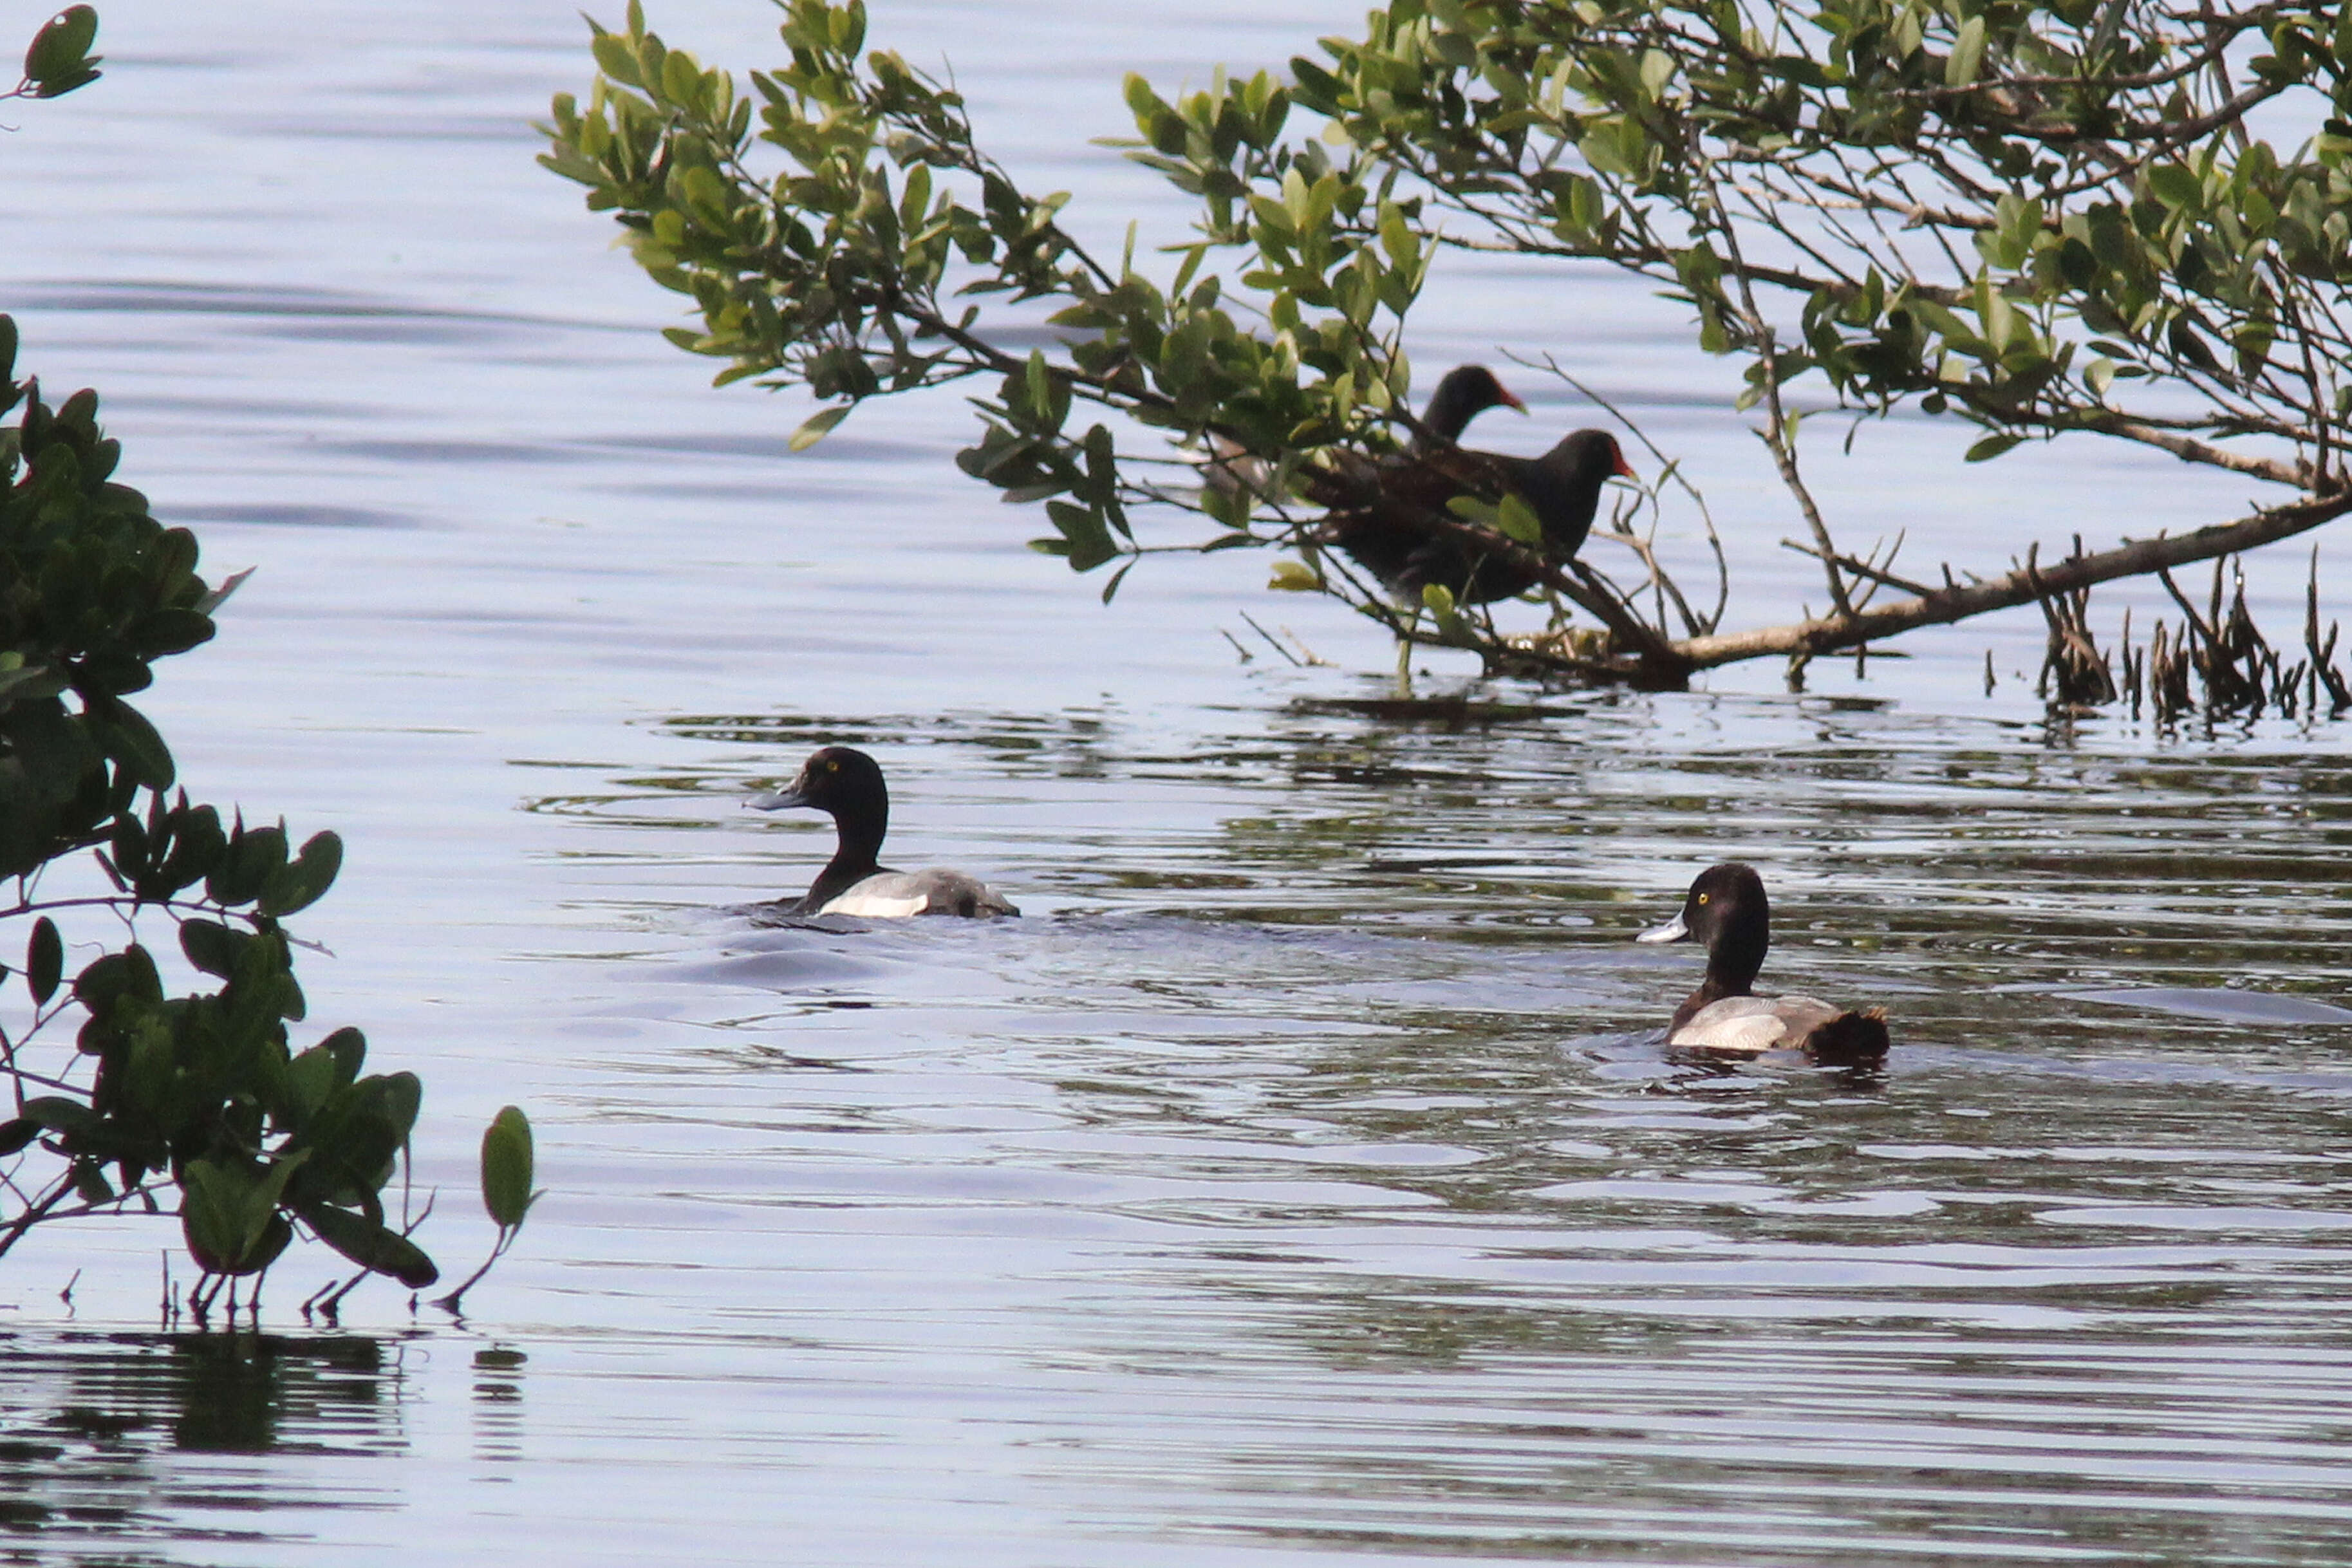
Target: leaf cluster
<point x="837" y="227"/>
<point x="2045" y="218"/>
<point x="58" y="60"/>
<point x="202" y="1091"/>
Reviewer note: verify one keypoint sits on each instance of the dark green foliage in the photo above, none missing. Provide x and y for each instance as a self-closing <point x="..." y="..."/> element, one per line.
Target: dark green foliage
<point x="2045" y="217"/>
<point x="59" y="60"/>
<point x="850" y="272"/>
<point x="2021" y="179"/>
<point x="202" y="1091"/>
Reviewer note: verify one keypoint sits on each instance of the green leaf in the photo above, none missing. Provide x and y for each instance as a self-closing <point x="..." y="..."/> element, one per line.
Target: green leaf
<point x="254" y="856"/>
<point x="816" y="425"/>
<point x="45" y="961"/>
<point x="1290" y="577"/>
<point x="57" y="1113"/>
<point x="1111" y="587"/>
<point x="2077" y="263"/>
<point x="349" y="1048"/>
<point x="2176" y="186"/>
<point x="170" y="631"/>
<point x="59" y="60"/>
<point x="507" y="1168"/>
<point x="228" y="1214"/>
<point x="1515" y="519"/>
<point x="370" y="1246"/>
<point x="302" y="881"/>
<point x="1088" y="537"/>
<point x="211" y="947"/>
<point x="309" y="1081"/>
<point x="1438" y="600"/>
<point x="1968" y="55"/>
<point x="617" y="59"/>
<point x="1993" y="445"/>
<point x="134" y="743"/>
<point x="402" y="1094"/>
<point x="89" y="1183"/>
<point x="110" y="979"/>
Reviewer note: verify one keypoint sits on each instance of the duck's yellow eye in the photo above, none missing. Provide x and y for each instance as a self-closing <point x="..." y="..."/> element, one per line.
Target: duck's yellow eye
<point x="831" y="766"/>
<point x="1704" y="896"/>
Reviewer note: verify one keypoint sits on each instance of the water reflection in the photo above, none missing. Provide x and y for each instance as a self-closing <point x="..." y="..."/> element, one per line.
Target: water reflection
<point x="499" y="1414"/>
<point x="100" y="1429"/>
<point x="1303" y="1173"/>
<point x="1426" y="1247"/>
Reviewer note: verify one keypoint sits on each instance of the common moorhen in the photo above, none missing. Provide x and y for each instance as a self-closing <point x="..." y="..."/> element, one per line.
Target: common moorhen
<point x="1392" y="535"/>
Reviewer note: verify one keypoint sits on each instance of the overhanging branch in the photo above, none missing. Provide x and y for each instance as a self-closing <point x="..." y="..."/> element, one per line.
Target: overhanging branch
<point x="1963" y="602"/>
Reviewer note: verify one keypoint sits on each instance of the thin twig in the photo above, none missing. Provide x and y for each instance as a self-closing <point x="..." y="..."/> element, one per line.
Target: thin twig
<point x="1777" y="435"/>
<point x="1864" y="569"/>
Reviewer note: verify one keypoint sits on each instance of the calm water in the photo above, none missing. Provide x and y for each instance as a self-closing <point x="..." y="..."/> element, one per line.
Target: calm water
<point x="1300" y="1180"/>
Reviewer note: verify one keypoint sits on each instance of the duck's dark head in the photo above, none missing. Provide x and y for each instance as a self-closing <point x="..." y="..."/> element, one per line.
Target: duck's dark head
<point x="1727" y="912"/>
<point x="838" y="780"/>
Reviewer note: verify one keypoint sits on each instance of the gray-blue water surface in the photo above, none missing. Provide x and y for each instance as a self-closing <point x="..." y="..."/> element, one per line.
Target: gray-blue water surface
<point x="1299" y="1179"/>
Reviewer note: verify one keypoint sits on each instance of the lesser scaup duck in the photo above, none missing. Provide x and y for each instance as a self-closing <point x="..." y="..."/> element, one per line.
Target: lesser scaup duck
<point x="848" y="785"/>
<point x="1727" y="910"/>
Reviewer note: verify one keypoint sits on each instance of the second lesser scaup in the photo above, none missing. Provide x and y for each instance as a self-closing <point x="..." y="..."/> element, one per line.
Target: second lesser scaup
<point x="848" y="785"/>
<point x="1727" y="910"/>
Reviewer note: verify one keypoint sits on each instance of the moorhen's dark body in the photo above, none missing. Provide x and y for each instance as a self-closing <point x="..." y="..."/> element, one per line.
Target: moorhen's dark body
<point x="1392" y="535"/>
<point x="846" y="784"/>
<point x="1727" y="910"/>
<point x="1463" y="394"/>
<point x="1388" y="532"/>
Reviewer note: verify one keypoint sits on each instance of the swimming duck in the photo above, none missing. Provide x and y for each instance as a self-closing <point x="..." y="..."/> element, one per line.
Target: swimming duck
<point x="1727" y="910"/>
<point x="846" y="784"/>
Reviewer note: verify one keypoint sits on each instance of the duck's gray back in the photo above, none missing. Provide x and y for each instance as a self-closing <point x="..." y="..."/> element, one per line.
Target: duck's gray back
<point x="1753" y="1023"/>
<point x="895" y="895"/>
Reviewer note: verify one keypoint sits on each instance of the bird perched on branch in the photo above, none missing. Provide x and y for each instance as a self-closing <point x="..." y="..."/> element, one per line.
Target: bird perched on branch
<point x="1393" y="516"/>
